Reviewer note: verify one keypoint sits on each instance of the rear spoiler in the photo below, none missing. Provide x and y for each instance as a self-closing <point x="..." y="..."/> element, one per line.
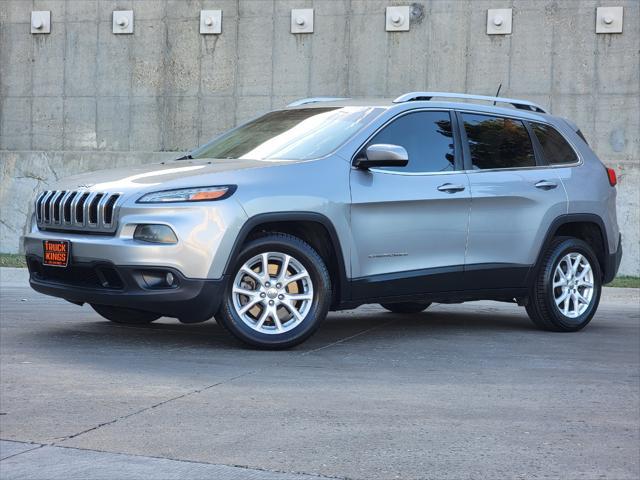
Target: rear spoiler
<point x="575" y="128"/>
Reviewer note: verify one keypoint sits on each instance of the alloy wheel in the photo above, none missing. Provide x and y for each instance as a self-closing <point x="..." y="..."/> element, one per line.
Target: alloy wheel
<point x="272" y="292"/>
<point x="572" y="286"/>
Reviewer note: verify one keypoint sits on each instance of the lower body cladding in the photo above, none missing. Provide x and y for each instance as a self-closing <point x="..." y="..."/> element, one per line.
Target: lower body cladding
<point x="161" y="290"/>
<point x="166" y="291"/>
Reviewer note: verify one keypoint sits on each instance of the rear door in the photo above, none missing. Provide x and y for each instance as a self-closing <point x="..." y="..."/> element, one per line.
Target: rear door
<point x="515" y="197"/>
<point x="409" y="224"/>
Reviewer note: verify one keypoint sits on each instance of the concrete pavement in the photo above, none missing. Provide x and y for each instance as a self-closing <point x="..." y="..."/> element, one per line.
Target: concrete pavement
<point x="460" y="391"/>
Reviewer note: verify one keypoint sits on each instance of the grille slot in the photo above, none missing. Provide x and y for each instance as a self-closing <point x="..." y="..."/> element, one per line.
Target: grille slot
<point x="39" y="205"/>
<point x="93" y="208"/>
<point x="56" y="206"/>
<point x="80" y="208"/>
<point x="47" y="207"/>
<point x="68" y="210"/>
<point x="108" y="208"/>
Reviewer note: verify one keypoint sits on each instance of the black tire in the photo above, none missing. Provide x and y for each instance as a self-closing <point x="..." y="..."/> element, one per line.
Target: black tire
<point x="406" y="307"/>
<point x="287" y="244"/>
<point x="218" y="318"/>
<point x="541" y="306"/>
<point x="126" y="316"/>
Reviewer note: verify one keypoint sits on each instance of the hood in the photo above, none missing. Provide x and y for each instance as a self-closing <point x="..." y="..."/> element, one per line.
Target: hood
<point x="171" y="174"/>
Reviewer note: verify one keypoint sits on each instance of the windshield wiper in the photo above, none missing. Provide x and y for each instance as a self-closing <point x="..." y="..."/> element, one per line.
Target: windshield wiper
<point x="185" y="157"/>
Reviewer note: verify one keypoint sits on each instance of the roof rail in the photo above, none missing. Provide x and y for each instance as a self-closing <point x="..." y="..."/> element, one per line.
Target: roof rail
<point x="304" y="101"/>
<point x="520" y="104"/>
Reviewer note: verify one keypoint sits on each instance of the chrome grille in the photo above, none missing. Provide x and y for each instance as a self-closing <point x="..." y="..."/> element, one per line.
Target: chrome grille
<point x="77" y="211"/>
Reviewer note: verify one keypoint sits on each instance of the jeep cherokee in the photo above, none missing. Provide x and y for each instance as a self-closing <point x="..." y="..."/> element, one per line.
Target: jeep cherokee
<point x="331" y="203"/>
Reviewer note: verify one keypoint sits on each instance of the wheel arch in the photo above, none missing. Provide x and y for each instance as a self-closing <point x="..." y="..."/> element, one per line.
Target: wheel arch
<point x="315" y="229"/>
<point x="585" y="226"/>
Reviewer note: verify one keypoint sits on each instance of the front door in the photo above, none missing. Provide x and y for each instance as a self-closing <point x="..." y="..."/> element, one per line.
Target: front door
<point x="409" y="224"/>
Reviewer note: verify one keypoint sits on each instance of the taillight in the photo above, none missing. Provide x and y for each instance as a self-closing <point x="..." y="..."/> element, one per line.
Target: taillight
<point x="613" y="180"/>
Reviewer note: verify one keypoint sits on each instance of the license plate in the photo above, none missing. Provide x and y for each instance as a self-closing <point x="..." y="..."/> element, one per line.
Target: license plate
<point x="56" y="252"/>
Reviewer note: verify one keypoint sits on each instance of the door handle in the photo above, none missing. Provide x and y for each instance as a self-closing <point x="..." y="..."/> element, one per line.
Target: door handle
<point x="546" y="185"/>
<point x="451" y="188"/>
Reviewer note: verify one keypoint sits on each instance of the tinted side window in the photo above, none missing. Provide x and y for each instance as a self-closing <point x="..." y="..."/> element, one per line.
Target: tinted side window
<point x="555" y="148"/>
<point x="497" y="142"/>
<point x="427" y="137"/>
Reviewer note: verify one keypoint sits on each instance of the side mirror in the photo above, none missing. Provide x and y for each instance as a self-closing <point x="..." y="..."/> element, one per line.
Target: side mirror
<point x="383" y="155"/>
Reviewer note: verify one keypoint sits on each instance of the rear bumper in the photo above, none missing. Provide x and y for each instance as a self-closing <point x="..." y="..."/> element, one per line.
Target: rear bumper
<point x="103" y="283"/>
<point x="612" y="263"/>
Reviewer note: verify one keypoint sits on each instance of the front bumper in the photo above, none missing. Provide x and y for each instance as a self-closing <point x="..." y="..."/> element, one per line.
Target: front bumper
<point x="206" y="234"/>
<point x="103" y="283"/>
<point x="612" y="263"/>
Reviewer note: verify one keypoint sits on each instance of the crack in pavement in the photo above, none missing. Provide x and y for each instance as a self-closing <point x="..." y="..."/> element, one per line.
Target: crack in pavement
<point x="58" y="443"/>
<point x="156" y="405"/>
<point x="37" y="446"/>
<point x="244" y="467"/>
<point x="197" y="462"/>
<point x="346" y="339"/>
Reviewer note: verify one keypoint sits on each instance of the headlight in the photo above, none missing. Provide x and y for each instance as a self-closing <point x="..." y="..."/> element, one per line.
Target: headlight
<point x="201" y="194"/>
<point x="155" y="234"/>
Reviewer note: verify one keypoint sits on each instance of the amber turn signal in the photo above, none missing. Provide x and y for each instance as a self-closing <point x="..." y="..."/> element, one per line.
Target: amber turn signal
<point x="209" y="195"/>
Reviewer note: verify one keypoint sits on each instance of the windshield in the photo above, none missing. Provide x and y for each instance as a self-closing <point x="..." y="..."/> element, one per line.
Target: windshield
<point x="298" y="134"/>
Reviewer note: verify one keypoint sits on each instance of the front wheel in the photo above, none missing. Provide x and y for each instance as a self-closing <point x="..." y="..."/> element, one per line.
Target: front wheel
<point x="127" y="316"/>
<point x="279" y="293"/>
<point x="566" y="291"/>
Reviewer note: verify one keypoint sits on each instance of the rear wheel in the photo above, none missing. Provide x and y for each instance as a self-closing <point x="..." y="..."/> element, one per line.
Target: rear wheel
<point x="279" y="293"/>
<point x="566" y="291"/>
<point x="127" y="316"/>
<point x="406" y="307"/>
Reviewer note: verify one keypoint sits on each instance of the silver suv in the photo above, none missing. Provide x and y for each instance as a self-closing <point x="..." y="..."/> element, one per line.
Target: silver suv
<point x="331" y="203"/>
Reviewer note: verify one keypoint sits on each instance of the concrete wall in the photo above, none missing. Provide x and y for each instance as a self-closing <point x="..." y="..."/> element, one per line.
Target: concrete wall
<point x="82" y="98"/>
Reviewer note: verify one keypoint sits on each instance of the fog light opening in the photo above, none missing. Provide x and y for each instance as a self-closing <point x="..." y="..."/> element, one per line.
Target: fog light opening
<point x="152" y="233"/>
<point x="158" y="279"/>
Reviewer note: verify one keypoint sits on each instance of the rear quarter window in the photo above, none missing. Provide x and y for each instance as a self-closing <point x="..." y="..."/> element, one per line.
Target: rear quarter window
<point x="555" y="148"/>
